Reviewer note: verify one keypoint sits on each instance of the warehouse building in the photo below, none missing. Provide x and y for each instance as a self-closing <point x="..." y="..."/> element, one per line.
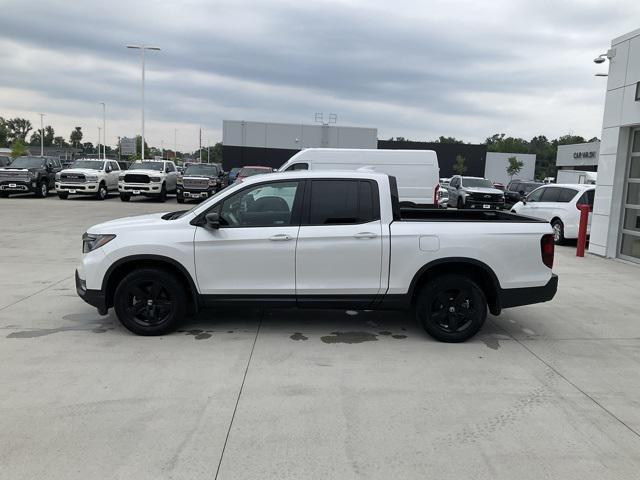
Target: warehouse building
<point x="615" y="225"/>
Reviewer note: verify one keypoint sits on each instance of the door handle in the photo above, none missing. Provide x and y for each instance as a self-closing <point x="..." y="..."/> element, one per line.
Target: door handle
<point x="365" y="235"/>
<point x="280" y="237"/>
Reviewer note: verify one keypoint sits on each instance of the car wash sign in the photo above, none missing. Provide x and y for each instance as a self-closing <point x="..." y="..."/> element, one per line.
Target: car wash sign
<point x="578" y="154"/>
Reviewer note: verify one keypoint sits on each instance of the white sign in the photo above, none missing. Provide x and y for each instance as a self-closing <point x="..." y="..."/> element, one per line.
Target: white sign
<point x="128" y="146"/>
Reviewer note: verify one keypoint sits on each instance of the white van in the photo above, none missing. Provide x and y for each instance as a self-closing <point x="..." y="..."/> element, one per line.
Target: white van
<point x="417" y="172"/>
<point x="577" y="177"/>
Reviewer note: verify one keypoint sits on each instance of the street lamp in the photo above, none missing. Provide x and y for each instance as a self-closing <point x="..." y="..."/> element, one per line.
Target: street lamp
<point x="42" y="135"/>
<point x="98" y="146"/>
<point x="104" y="130"/>
<point x="142" y="49"/>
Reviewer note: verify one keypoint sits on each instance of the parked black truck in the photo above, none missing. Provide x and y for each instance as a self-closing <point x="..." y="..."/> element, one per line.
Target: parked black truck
<point x="200" y="181"/>
<point x="29" y="175"/>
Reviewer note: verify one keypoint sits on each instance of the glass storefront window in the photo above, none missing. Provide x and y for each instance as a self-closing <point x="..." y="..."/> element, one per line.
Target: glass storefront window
<point x="630" y="246"/>
<point x="634" y="170"/>
<point x="632" y="219"/>
<point x="636" y="142"/>
<point x="633" y="194"/>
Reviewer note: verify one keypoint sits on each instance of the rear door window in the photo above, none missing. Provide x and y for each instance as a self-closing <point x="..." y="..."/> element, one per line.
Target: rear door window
<point x="551" y="194"/>
<point x="340" y="202"/>
<point x="567" y="194"/>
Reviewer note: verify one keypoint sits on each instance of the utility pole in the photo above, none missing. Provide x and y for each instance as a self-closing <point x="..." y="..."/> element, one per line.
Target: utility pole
<point x="175" y="144"/>
<point x="42" y="135"/>
<point x="162" y="149"/>
<point x="208" y="151"/>
<point x="119" y="149"/>
<point x="142" y="48"/>
<point x="98" y="146"/>
<point x="104" y="130"/>
<point x="200" y="144"/>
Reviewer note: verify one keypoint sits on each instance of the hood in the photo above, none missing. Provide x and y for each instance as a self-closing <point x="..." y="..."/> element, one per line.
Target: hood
<point x="113" y="226"/>
<point x="84" y="171"/>
<point x="493" y="191"/>
<point x="151" y="173"/>
<point x="199" y="176"/>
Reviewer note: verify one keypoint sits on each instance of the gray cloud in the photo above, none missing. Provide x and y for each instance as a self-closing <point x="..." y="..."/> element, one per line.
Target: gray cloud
<point x="416" y="69"/>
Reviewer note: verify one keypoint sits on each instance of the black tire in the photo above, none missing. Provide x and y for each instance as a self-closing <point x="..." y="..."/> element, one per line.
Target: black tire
<point x="460" y="204"/>
<point x="103" y="193"/>
<point x="125" y="197"/>
<point x="150" y="302"/>
<point x="43" y="190"/>
<point x="558" y="231"/>
<point x="451" y="308"/>
<point x="63" y="195"/>
<point x="163" y="194"/>
<point x="180" y="199"/>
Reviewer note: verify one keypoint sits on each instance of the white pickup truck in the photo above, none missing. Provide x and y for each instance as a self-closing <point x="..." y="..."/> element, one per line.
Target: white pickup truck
<point x="317" y="240"/>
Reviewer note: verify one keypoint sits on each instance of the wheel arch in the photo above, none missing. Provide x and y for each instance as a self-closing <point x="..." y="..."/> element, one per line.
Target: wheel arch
<point x="122" y="267"/>
<point x="478" y="271"/>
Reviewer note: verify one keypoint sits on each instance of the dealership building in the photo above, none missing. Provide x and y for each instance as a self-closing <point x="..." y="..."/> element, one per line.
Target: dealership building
<point x="615" y="225"/>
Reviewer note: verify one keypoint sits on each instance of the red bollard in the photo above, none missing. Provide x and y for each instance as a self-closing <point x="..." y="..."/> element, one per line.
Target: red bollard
<point x="582" y="229"/>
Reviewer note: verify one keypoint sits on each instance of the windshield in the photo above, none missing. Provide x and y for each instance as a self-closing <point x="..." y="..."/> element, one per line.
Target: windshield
<point x="27" y="162"/>
<point x="157" y="166"/>
<point x="90" y="164"/>
<point x="248" y="171"/>
<point x="476" y="182"/>
<point x="208" y="170"/>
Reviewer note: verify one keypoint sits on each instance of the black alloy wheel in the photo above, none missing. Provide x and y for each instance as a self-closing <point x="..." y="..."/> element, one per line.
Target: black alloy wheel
<point x="451" y="308"/>
<point x="150" y="302"/>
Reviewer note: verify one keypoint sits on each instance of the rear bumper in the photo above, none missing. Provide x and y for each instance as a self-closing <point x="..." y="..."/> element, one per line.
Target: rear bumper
<point x="516" y="297"/>
<point x="95" y="298"/>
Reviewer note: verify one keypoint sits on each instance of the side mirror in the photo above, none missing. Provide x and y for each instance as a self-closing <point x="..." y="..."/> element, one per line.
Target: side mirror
<point x="521" y="192"/>
<point x="212" y="220"/>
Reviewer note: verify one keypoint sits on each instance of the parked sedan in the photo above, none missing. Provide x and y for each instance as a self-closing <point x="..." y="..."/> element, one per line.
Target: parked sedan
<point x="558" y="204"/>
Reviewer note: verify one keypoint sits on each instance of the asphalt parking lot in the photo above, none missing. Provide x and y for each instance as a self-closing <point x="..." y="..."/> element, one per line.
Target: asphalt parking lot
<point x="546" y="391"/>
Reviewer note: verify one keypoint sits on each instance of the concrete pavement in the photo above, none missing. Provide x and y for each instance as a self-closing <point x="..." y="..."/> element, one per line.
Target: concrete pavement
<point x="544" y="392"/>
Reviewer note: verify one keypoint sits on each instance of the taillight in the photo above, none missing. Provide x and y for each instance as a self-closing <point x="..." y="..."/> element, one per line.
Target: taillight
<point x="435" y="194"/>
<point x="547" y="249"/>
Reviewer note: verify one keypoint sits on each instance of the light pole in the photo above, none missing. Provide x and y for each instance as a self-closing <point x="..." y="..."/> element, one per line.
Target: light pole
<point x="142" y="48"/>
<point x="42" y="135"/>
<point x="98" y="146"/>
<point x="104" y="130"/>
<point x="175" y="144"/>
<point x="208" y="151"/>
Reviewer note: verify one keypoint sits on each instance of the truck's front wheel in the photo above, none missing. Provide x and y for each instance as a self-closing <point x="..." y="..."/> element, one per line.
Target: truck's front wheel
<point x="150" y="301"/>
<point x="451" y="308"/>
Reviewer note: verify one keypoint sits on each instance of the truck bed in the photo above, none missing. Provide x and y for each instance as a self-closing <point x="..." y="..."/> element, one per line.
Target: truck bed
<point x="441" y="215"/>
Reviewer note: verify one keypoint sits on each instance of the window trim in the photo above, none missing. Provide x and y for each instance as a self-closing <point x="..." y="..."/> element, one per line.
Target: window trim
<point x="306" y="207"/>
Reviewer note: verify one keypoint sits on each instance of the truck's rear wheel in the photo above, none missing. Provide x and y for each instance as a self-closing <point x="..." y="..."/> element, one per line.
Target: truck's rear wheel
<point x="150" y="301"/>
<point x="451" y="308"/>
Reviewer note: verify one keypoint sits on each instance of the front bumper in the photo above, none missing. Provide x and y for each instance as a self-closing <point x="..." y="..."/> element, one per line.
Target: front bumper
<point x="80" y="188"/>
<point x="516" y="297"/>
<point x="95" y="298"/>
<point x="18" y="186"/>
<point x="479" y="204"/>
<point x="195" y="192"/>
<point x="140" y="188"/>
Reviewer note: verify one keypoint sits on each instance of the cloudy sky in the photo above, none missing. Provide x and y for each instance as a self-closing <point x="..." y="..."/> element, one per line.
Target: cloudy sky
<point x="417" y="69"/>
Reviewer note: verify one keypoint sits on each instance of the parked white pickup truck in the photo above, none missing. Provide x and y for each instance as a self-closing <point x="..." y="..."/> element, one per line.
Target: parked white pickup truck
<point x="318" y="240"/>
<point x="88" y="177"/>
<point x="150" y="178"/>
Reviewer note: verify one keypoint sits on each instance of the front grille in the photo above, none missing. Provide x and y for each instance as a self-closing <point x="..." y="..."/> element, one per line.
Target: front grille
<point x="195" y="182"/>
<point x="486" y="197"/>
<point x="142" y="189"/>
<point x="136" y="178"/>
<point x="72" y="177"/>
<point x="15" y="176"/>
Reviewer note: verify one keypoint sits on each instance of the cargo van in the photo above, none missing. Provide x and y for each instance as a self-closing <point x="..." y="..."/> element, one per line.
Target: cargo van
<point x="416" y="171"/>
<point x="576" y="177"/>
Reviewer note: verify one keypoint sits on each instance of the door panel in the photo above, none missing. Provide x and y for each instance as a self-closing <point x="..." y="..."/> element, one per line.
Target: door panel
<point x="246" y="261"/>
<point x="339" y="259"/>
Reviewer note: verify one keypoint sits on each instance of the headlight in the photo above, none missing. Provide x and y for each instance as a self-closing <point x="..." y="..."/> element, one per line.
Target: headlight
<point x="33" y="174"/>
<point x="179" y="180"/>
<point x="92" y="241"/>
<point x="213" y="182"/>
<point x="121" y="177"/>
<point x="91" y="178"/>
<point x="156" y="179"/>
<point x="57" y="177"/>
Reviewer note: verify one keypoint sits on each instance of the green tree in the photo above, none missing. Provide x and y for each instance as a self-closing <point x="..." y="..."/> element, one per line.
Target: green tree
<point x="448" y="140"/>
<point x="18" y="148"/>
<point x="514" y="166"/>
<point x="60" y="142"/>
<point x="76" y="137"/>
<point x="459" y="167"/>
<point x="18" y="129"/>
<point x="499" y="142"/>
<point x="4" y="133"/>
